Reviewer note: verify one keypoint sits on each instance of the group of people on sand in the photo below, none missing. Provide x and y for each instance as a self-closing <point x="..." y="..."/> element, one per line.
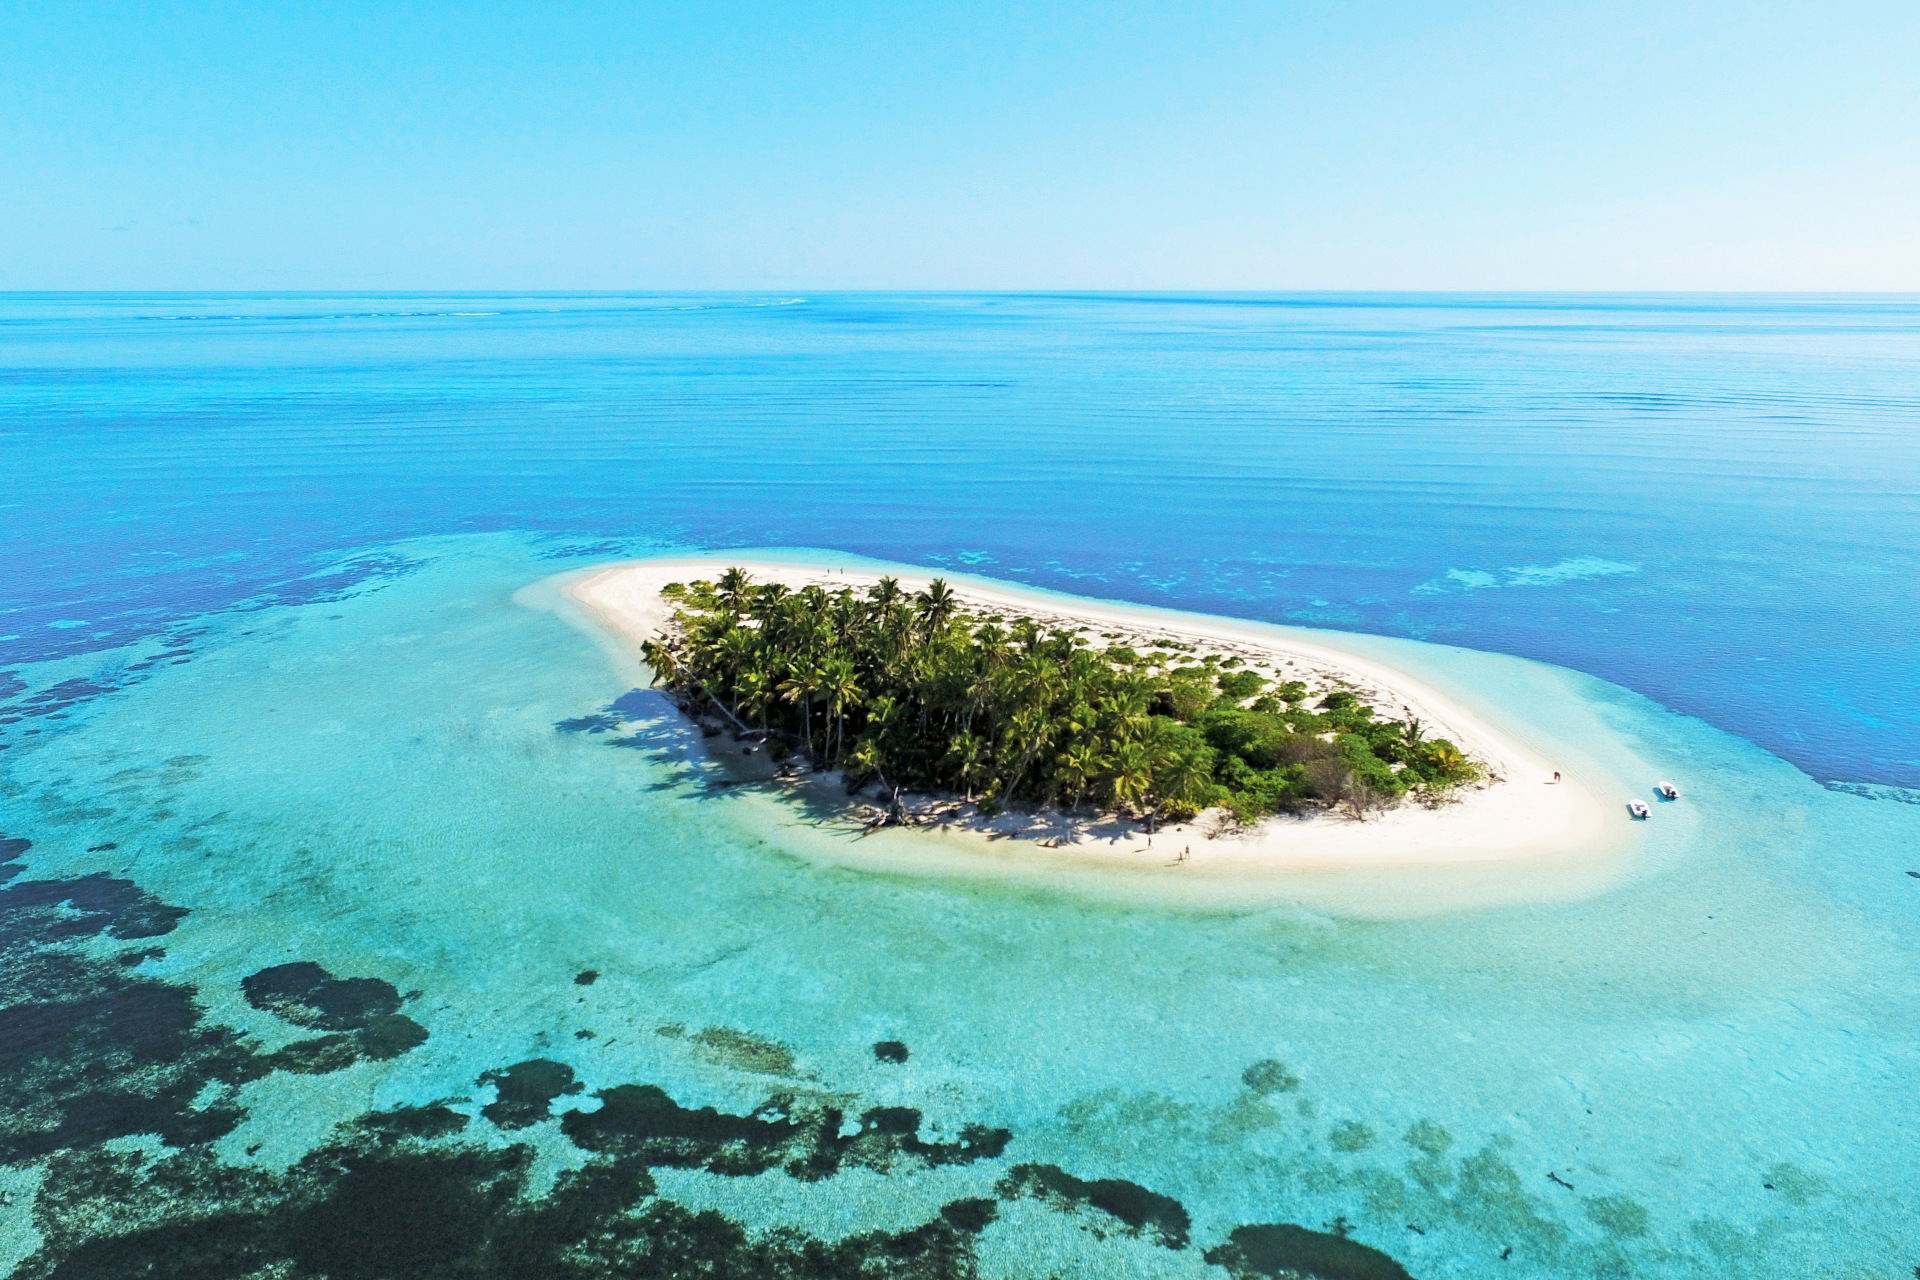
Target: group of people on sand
<point x="1185" y="855"/>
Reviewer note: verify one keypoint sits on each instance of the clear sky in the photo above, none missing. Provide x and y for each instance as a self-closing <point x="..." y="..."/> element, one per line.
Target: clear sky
<point x="337" y="144"/>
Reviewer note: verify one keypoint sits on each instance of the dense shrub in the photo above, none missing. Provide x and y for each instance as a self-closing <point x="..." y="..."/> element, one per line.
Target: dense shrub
<point x="1238" y="686"/>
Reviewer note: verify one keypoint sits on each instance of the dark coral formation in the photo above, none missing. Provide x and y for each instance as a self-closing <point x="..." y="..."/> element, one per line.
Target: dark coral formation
<point x="401" y="1194"/>
<point x="87" y="905"/>
<point x="526" y="1091"/>
<point x="1269" y="1076"/>
<point x="1137" y="1210"/>
<point x="641" y="1122"/>
<point x="1282" y="1251"/>
<point x="364" y="1014"/>
<point x="90" y="1051"/>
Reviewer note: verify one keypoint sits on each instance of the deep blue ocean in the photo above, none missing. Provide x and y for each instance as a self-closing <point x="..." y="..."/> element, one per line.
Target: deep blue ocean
<point x="365" y="916"/>
<point x="1714" y="501"/>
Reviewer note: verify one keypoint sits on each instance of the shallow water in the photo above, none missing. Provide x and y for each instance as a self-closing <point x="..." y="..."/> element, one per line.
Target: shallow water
<point x="400" y="774"/>
<point x="395" y="801"/>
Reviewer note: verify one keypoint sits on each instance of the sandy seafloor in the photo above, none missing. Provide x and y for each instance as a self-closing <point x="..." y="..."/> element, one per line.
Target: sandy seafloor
<point x="1706" y="1065"/>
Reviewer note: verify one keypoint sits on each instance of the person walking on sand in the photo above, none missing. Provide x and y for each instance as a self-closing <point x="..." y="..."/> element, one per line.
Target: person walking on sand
<point x="1556" y="775"/>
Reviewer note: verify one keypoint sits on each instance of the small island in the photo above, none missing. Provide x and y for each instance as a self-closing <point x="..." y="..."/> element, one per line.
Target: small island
<point x="1044" y="736"/>
<point x="925" y="693"/>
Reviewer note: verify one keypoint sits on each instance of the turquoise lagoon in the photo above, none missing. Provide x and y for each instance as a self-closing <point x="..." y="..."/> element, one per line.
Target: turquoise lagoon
<point x="360" y="919"/>
<point x="1702" y="1069"/>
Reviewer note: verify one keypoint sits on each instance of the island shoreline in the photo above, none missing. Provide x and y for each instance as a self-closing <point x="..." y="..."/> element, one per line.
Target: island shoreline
<point x="1522" y="821"/>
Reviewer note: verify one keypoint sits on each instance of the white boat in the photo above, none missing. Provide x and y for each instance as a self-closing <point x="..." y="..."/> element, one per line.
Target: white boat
<point x="1670" y="791"/>
<point x="1638" y="808"/>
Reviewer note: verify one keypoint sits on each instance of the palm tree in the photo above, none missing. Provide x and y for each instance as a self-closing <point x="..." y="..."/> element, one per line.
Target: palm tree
<point x="734" y="590"/>
<point x="757" y="690"/>
<point x="884" y="716"/>
<point x="659" y="655"/>
<point x="1125" y="709"/>
<point x="799" y="687"/>
<point x="841" y="687"/>
<point x="896" y="624"/>
<point x="966" y="758"/>
<point x="1129" y="775"/>
<point x="766" y="600"/>
<point x="1155" y="736"/>
<point x="845" y="615"/>
<point x="1445" y="757"/>
<point x="935" y="605"/>
<point x="1079" y="766"/>
<point x="1086" y="668"/>
<point x="1027" y="736"/>
<point x="1186" y="777"/>
<point x="735" y="653"/>
<point x="865" y="757"/>
<point x="1037" y="678"/>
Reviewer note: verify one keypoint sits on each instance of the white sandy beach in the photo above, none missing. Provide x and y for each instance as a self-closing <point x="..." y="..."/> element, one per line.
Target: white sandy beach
<point x="1519" y="816"/>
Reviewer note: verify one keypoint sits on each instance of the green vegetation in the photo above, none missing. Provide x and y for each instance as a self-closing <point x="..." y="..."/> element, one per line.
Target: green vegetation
<point x="910" y="691"/>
